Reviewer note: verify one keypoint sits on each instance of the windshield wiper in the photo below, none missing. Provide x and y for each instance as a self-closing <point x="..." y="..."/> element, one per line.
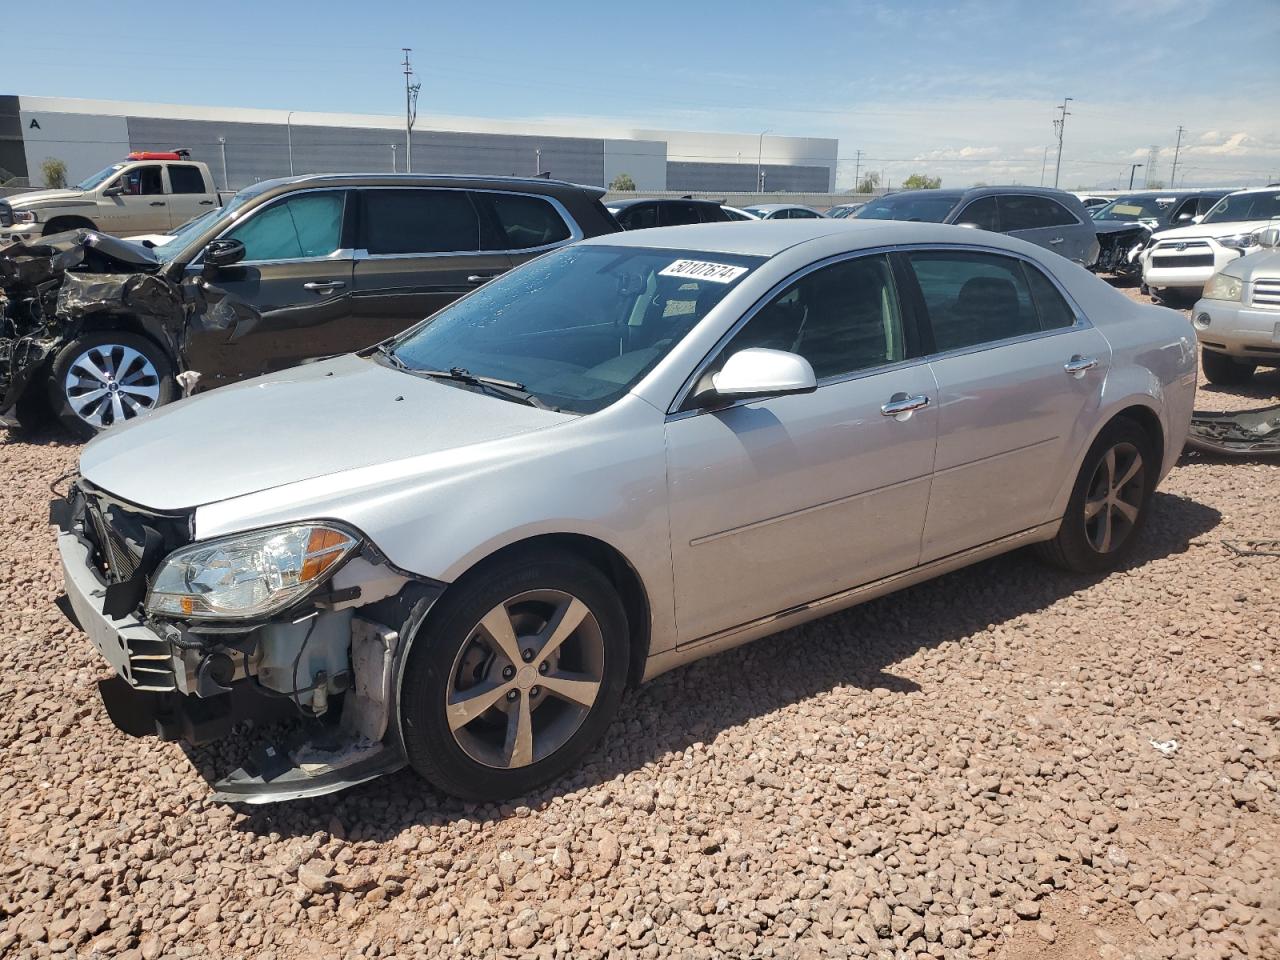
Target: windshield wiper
<point x="386" y="351"/>
<point x="506" y="389"/>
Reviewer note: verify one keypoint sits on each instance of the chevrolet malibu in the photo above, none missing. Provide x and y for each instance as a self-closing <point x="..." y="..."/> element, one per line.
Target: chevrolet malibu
<point x="456" y="550"/>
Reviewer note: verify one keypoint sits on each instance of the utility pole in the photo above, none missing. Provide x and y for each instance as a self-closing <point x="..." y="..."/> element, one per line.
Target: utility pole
<point x="1177" y="147"/>
<point x="410" y="109"/>
<point x="1060" y="125"/>
<point x="1153" y="156"/>
<point x="1044" y="165"/>
<point x="1132" y="169"/>
<point x="857" y="168"/>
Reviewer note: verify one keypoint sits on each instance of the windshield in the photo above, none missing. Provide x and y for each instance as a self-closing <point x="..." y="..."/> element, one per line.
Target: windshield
<point x="929" y="209"/>
<point x="1134" y="208"/>
<point x="1245" y="206"/>
<point x="90" y="182"/>
<point x="578" y="327"/>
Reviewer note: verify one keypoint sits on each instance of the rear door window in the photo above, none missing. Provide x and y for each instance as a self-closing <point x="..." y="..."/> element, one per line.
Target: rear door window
<point x="399" y="222"/>
<point x="982" y="214"/>
<point x="185" y="178"/>
<point x="677" y="213"/>
<point x="304" y="226"/>
<point x="973" y="298"/>
<point x="1029" y="213"/>
<point x="639" y="217"/>
<point x="525" y="222"/>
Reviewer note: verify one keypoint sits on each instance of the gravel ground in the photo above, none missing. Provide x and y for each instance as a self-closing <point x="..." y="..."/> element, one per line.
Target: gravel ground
<point x="1006" y="762"/>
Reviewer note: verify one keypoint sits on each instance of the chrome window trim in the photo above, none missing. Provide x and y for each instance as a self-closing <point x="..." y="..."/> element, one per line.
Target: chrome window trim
<point x="1082" y="322"/>
<point x="575" y="231"/>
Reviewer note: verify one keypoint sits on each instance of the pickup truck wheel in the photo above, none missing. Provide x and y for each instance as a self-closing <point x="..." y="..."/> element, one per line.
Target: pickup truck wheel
<point x="1223" y="370"/>
<point x="63" y="224"/>
<point x="514" y="676"/>
<point x="1108" y="505"/>
<point x="108" y="377"/>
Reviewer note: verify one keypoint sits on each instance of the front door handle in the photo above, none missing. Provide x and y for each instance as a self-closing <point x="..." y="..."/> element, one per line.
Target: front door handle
<point x="156" y="203"/>
<point x="902" y="405"/>
<point x="1055" y="241"/>
<point x="323" y="286"/>
<point x="478" y="278"/>
<point x="1078" y="366"/>
<point x="206" y="203"/>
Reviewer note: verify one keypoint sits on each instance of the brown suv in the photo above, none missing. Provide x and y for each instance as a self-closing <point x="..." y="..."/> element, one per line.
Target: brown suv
<point x="288" y="270"/>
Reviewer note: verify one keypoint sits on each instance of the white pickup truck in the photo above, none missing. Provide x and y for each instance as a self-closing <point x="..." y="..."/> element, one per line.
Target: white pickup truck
<point x="146" y="193"/>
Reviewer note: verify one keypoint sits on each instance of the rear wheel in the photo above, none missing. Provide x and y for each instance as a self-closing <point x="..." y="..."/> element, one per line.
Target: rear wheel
<point x="1223" y="370"/>
<point x="1108" y="505"/>
<point x="514" y="677"/>
<point x="108" y="377"/>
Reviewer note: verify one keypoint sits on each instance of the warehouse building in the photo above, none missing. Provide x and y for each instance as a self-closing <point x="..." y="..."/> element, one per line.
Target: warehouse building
<point x="243" y="146"/>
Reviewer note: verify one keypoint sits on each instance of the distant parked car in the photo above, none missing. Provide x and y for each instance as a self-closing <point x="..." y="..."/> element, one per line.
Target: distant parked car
<point x="456" y="551"/>
<point x="287" y="270"/>
<point x="842" y="210"/>
<point x="1048" y="218"/>
<point x="1158" y="209"/>
<point x="642" y="213"/>
<point x="1237" y="319"/>
<point x="734" y="213"/>
<point x="1091" y="202"/>
<point x="783" y="211"/>
<point x="1182" y="259"/>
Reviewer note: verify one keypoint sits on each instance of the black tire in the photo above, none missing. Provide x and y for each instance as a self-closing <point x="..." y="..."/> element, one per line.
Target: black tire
<point x="62" y="399"/>
<point x="1225" y="371"/>
<point x="63" y="224"/>
<point x="438" y="658"/>
<point x="1076" y="547"/>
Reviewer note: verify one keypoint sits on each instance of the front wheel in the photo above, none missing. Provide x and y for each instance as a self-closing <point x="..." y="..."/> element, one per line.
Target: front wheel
<point x="1108" y="505"/>
<point x="108" y="377"/>
<point x="514" y="677"/>
<point x="1223" y="370"/>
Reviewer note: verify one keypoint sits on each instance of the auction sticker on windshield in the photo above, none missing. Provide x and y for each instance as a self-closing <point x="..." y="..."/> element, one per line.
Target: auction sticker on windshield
<point x="702" y="270"/>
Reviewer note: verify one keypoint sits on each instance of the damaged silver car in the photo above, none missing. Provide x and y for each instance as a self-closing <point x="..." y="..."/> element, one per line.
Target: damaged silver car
<point x="456" y="549"/>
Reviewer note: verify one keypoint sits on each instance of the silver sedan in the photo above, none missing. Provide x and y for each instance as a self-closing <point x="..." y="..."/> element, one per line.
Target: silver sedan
<point x="458" y="549"/>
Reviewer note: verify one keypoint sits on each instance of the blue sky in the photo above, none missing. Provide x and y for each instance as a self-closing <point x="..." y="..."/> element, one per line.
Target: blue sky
<point x="958" y="89"/>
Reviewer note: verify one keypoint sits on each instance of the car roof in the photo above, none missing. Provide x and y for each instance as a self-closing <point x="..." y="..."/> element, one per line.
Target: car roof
<point x="768" y="238"/>
<point x="534" y="184"/>
<point x="777" y="206"/>
<point x="632" y="201"/>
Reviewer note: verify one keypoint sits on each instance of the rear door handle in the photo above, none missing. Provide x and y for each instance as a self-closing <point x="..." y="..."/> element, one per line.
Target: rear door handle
<point x="1055" y="241"/>
<point x="323" y="286"/>
<point x="206" y="203"/>
<point x="901" y="403"/>
<point x="1078" y="366"/>
<point x="476" y="279"/>
<point x="156" y="203"/>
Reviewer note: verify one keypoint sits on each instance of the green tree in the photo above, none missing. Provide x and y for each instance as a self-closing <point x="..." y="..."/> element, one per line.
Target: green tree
<point x="870" y="180"/>
<point x="921" y="181"/>
<point x="1155" y="184"/>
<point x="54" y="172"/>
<point x="622" y="182"/>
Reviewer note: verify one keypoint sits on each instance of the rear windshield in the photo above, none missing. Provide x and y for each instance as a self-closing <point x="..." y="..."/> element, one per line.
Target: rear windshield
<point x="578" y="327"/>
<point x="927" y="209"/>
<point x="1245" y="206"/>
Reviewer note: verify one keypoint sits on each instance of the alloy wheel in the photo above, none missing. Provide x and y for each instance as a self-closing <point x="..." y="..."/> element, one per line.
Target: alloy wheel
<point x="1116" y="493"/>
<point x="525" y="679"/>
<point x="110" y="383"/>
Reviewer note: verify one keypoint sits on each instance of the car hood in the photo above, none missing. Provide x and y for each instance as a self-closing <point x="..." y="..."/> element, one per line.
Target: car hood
<point x="1119" y="226"/>
<point x="21" y="200"/>
<point x="1262" y="265"/>
<point x="1214" y="229"/>
<point x="308" y="421"/>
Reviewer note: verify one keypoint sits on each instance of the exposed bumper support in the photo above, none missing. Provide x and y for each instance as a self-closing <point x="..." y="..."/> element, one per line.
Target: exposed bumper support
<point x="1244" y="433"/>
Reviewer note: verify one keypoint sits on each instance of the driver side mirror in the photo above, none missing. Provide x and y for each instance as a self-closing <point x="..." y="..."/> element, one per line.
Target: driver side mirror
<point x="1184" y="217"/>
<point x="114" y="190"/>
<point x="1269" y="237"/>
<point x="756" y="372"/>
<point x="1197" y="218"/>
<point x="223" y="253"/>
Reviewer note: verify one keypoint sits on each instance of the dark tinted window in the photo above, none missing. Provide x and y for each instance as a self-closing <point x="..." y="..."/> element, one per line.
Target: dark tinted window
<point x="184" y="178"/>
<point x="526" y="221"/>
<point x="676" y="213"/>
<point x="301" y="226"/>
<point x="712" y="213"/>
<point x="973" y="298"/>
<point x="840" y="318"/>
<point x="141" y="182"/>
<point x="419" y="221"/>
<point x="1053" y="310"/>
<point x="799" y="213"/>
<point x="1205" y="204"/>
<point x="1027" y="213"/>
<point x="981" y="213"/>
<point x="638" y="217"/>
<point x="925" y="207"/>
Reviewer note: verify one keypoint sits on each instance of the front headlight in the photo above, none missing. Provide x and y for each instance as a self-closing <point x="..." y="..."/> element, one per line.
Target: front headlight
<point x="1222" y="287"/>
<point x="24" y="216"/>
<point x="1241" y="241"/>
<point x="248" y="575"/>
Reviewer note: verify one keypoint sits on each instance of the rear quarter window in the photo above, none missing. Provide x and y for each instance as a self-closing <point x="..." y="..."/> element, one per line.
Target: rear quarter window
<point x="526" y="222"/>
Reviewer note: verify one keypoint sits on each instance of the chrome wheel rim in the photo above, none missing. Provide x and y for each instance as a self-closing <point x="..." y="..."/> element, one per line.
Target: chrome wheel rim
<point x="1115" y="497"/>
<point x="111" y="383"/>
<point x="525" y="679"/>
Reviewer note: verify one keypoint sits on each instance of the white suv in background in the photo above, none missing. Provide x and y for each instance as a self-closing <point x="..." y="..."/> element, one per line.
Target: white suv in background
<point x="1183" y="259"/>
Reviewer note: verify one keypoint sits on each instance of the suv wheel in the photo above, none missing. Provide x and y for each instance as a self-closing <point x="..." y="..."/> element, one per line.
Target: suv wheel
<point x="106" y="378"/>
<point x="514" y="676"/>
<point x="1108" y="505"/>
<point x="1224" y="370"/>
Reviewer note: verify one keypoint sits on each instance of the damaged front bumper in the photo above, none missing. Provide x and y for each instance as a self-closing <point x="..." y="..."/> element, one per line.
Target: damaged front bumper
<point x="1240" y="433"/>
<point x="331" y="670"/>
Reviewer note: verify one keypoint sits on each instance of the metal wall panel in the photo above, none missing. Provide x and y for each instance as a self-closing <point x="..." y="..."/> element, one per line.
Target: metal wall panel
<point x="687" y="175"/>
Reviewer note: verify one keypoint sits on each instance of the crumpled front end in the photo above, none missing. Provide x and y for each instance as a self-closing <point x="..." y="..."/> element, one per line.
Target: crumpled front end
<point x="1120" y="248"/>
<point x="321" y="671"/>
